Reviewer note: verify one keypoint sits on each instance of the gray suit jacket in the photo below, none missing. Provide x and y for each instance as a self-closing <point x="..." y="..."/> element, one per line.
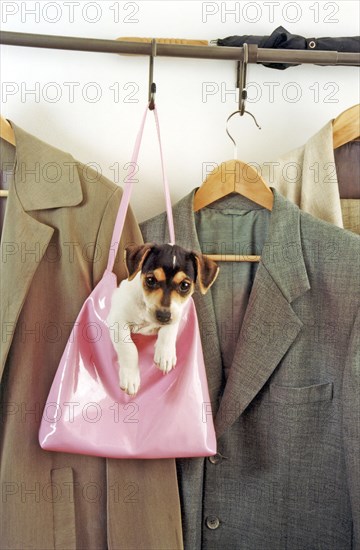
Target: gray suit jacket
<point x="287" y="472"/>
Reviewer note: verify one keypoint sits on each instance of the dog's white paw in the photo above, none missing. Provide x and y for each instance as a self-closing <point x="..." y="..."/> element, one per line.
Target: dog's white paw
<point x="165" y="358"/>
<point x="130" y="380"/>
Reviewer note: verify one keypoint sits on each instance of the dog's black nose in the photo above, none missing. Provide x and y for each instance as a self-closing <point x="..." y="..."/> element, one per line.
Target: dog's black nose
<point x="163" y="315"/>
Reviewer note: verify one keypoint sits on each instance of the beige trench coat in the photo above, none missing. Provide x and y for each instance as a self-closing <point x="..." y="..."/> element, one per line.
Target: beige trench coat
<point x="58" y="225"/>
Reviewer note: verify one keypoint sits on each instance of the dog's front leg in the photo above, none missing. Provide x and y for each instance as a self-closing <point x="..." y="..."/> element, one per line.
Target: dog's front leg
<point x="165" y="348"/>
<point x="127" y="357"/>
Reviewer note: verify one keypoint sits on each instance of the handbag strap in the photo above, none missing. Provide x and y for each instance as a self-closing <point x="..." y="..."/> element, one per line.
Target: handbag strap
<point x="128" y="186"/>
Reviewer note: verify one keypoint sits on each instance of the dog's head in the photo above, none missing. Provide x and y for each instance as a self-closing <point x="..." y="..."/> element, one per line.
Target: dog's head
<point x="168" y="277"/>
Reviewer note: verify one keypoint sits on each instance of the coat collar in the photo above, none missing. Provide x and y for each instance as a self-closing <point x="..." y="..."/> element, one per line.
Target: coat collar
<point x="43" y="177"/>
<point x="320" y="194"/>
<point x="270" y="324"/>
<point x="307" y="176"/>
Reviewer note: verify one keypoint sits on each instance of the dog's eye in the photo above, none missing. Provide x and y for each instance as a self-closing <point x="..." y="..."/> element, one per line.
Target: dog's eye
<point x="151" y="282"/>
<point x="184" y="286"/>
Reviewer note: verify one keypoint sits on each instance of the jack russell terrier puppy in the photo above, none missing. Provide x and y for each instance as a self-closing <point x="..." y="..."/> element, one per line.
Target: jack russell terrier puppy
<point x="161" y="278"/>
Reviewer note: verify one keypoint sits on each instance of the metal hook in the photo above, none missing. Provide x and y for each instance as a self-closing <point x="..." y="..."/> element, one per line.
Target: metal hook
<point x="152" y="85"/>
<point x="241" y="79"/>
<point x="241" y="84"/>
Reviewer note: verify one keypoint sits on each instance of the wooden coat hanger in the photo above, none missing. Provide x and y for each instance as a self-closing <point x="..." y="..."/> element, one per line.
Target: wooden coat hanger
<point x="235" y="176"/>
<point x="6" y="133"/>
<point x="346" y="126"/>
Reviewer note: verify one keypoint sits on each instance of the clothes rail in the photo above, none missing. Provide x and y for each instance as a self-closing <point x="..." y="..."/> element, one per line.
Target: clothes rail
<point x="256" y="55"/>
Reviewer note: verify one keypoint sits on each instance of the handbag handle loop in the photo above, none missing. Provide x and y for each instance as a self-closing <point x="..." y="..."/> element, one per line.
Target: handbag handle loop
<point x="128" y="186"/>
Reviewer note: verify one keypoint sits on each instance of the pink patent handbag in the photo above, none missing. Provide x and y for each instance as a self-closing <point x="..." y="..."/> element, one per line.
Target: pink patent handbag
<point x="86" y="411"/>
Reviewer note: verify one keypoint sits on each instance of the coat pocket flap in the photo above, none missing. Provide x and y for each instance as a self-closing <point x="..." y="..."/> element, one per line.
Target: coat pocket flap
<point x="300" y="395"/>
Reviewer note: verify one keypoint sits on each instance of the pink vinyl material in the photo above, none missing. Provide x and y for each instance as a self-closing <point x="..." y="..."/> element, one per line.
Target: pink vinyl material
<point x="86" y="411"/>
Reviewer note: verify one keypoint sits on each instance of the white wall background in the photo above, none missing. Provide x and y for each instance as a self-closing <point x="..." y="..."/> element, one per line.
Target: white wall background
<point x="99" y="123"/>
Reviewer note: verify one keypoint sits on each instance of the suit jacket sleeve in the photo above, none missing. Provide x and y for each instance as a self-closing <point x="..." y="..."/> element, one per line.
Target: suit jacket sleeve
<point x="351" y="425"/>
<point x="131" y="234"/>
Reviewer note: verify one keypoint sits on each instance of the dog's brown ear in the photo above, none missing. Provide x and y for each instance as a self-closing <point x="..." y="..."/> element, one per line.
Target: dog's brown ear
<point x="135" y="255"/>
<point x="207" y="271"/>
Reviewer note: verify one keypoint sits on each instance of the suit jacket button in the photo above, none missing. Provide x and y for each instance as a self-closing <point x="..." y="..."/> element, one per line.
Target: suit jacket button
<point x="212" y="522"/>
<point x="215" y="459"/>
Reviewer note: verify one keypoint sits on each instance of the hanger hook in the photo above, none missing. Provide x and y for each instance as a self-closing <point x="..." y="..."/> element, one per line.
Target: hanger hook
<point x="240" y="113"/>
<point x="152" y="85"/>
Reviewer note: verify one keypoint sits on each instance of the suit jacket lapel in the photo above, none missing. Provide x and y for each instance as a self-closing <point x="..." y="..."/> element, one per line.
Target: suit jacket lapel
<point x="41" y="180"/>
<point x="186" y="236"/>
<point x="270" y="325"/>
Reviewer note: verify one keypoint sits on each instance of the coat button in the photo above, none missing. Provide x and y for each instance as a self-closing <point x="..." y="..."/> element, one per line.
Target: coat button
<point x="215" y="459"/>
<point x="212" y="522"/>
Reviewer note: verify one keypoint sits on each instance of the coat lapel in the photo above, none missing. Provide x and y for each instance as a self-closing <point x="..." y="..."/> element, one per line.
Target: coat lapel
<point x="41" y="180"/>
<point x="23" y="243"/>
<point x="270" y="325"/>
